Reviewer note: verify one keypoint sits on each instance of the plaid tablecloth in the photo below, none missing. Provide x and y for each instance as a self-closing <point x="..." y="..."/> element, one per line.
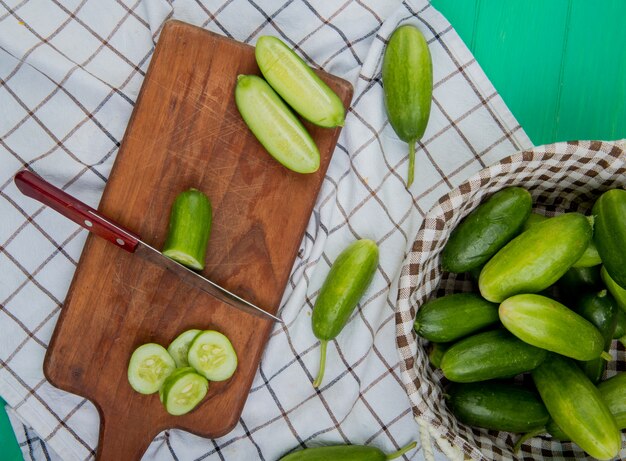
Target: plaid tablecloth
<point x="70" y="72"/>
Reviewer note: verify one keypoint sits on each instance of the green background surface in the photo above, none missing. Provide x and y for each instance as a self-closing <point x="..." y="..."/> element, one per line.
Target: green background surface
<point x="560" y="66"/>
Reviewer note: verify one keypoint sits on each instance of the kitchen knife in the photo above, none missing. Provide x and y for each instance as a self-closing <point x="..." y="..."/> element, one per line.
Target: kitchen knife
<point x="35" y="187"/>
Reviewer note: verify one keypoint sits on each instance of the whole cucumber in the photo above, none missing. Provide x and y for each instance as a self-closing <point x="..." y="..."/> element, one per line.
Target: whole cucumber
<point x="576" y="406"/>
<point x="601" y="310"/>
<point x="189" y="229"/>
<point x="345" y="284"/>
<point x="345" y="453"/>
<point x="451" y="317"/>
<point x="486" y="229"/>
<point x="548" y="324"/>
<point x="609" y="214"/>
<point x="535" y="259"/>
<point x="617" y="291"/>
<point x="407" y="74"/>
<point x="489" y="355"/>
<point x="500" y="406"/>
<point x="275" y="125"/>
<point x="297" y="84"/>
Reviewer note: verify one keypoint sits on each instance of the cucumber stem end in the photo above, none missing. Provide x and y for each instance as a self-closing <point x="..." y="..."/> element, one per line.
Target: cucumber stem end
<point x="528" y="436"/>
<point x="401" y="451"/>
<point x="320" y="374"/>
<point x="606" y="356"/>
<point x="411" y="163"/>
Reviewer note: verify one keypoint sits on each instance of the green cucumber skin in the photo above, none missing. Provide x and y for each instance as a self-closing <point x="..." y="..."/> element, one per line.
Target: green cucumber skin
<point x="436" y="352"/>
<point x="489" y="355"/>
<point x="301" y="88"/>
<point x="451" y="317"/>
<point x="576" y="406"/>
<point x="275" y="126"/>
<point x="578" y="281"/>
<point x="496" y="405"/>
<point x="601" y="310"/>
<point x="620" y="325"/>
<point x="613" y="392"/>
<point x="338" y="452"/>
<point x="407" y="82"/>
<point x="548" y="324"/>
<point x="617" y="291"/>
<point x="407" y="75"/>
<point x="347" y="280"/>
<point x="189" y="226"/>
<point x="486" y="229"/>
<point x="535" y="259"/>
<point x="534" y="218"/>
<point x="609" y="214"/>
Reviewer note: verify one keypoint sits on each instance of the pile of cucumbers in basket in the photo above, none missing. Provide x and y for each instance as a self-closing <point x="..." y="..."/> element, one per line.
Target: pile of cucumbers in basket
<point x="551" y="299"/>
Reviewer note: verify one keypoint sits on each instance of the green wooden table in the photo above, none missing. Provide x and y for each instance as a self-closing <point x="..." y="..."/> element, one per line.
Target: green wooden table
<point x="560" y="65"/>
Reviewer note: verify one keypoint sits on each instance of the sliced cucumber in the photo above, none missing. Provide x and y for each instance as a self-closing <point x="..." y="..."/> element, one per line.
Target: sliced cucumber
<point x="213" y="356"/>
<point x="189" y="229"/>
<point x="148" y="368"/>
<point x="183" y="390"/>
<point x="179" y="348"/>
<point x="297" y="84"/>
<point x="275" y="126"/>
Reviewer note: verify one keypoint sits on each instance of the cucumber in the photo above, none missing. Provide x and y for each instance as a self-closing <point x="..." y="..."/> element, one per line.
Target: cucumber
<point x="613" y="392"/>
<point x="499" y="406"/>
<point x="548" y="324"/>
<point x="297" y="84"/>
<point x="578" y="281"/>
<point x="576" y="406"/>
<point x="407" y="74"/>
<point x="183" y="390"/>
<point x="533" y="218"/>
<point x="489" y="355"/>
<point x="212" y="355"/>
<point x="617" y="291"/>
<point x="436" y="351"/>
<point x="275" y="126"/>
<point x="620" y="326"/>
<point x="486" y="229"/>
<point x="345" y="453"/>
<point x="600" y="309"/>
<point x="148" y="368"/>
<point x="345" y="284"/>
<point x="179" y="348"/>
<point x="189" y="229"/>
<point x="609" y="214"/>
<point x="454" y="316"/>
<point x="535" y="259"/>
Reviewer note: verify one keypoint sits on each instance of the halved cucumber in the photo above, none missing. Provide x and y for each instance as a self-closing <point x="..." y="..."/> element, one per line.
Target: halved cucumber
<point x="297" y="84"/>
<point x="183" y="390"/>
<point x="275" y="126"/>
<point x="148" y="368"/>
<point x="213" y="356"/>
<point x="179" y="348"/>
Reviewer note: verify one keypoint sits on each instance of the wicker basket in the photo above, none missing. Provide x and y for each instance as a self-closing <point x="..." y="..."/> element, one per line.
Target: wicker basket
<point x="561" y="177"/>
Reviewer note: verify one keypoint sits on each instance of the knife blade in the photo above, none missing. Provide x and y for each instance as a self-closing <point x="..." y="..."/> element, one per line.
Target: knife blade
<point x="82" y="214"/>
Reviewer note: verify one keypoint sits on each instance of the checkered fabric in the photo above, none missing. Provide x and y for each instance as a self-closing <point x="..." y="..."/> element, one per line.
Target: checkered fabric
<point x="561" y="177"/>
<point x="70" y="72"/>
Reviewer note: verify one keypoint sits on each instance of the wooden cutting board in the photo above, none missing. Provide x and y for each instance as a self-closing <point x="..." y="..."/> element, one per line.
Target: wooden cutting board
<point x="185" y="132"/>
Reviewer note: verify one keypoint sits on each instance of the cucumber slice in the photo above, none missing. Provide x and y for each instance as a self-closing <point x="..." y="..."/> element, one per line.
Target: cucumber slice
<point x="213" y="356"/>
<point x="275" y="126"/>
<point x="179" y="348"/>
<point x="183" y="390"/>
<point x="189" y="229"/>
<point x="148" y="368"/>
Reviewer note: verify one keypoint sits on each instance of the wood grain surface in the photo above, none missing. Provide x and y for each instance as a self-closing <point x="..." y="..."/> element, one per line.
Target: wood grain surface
<point x="185" y="132"/>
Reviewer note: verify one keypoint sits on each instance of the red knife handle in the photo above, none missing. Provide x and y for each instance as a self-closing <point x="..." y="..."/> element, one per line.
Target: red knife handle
<point x="35" y="187"/>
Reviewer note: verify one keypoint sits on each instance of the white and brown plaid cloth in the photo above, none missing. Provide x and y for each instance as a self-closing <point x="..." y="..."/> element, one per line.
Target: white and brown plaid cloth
<point x="70" y="71"/>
